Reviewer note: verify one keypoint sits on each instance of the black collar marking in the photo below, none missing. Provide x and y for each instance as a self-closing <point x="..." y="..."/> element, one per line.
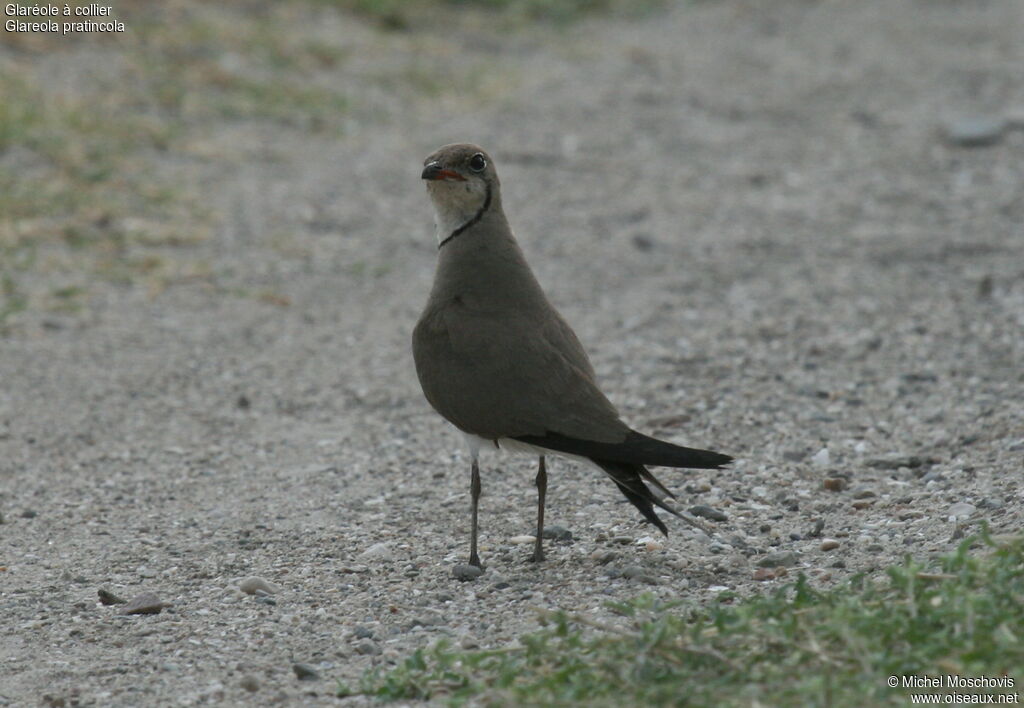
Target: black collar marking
<point x="479" y="215"/>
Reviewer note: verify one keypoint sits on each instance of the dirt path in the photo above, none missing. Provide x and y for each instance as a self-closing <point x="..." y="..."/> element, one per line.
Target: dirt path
<point x="751" y="217"/>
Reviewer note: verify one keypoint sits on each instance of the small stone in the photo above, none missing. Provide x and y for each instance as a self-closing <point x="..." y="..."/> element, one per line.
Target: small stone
<point x="361" y="632"/>
<point x="862" y="504"/>
<point x="708" y="512"/>
<point x="962" y="510"/>
<point x="305" y="672"/>
<point x="635" y="572"/>
<point x="778" y="560"/>
<point x="834" y="484"/>
<point x="522" y="540"/>
<point x="368" y="647"/>
<point x="821" y="458"/>
<point x="643" y="242"/>
<point x="468" y="642"/>
<point x="146" y="603"/>
<point x="29" y="514"/>
<point x="622" y="540"/>
<point x="763" y="574"/>
<point x="109" y="598"/>
<point x="975" y="131"/>
<point x="829" y="544"/>
<point x="250" y="683"/>
<point x="985" y="287"/>
<point x="819" y="526"/>
<point x="257" y="586"/>
<point x="558" y="533"/>
<point x="465" y="572"/>
<point x="894" y="463"/>
<point x="378" y="551"/>
<point x="864" y="493"/>
<point x="604" y="557"/>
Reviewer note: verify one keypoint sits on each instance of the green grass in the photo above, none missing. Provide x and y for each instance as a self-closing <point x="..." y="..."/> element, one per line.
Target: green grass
<point x="798" y="646"/>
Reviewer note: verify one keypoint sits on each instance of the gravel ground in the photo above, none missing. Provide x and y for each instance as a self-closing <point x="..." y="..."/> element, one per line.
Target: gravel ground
<point x="769" y="226"/>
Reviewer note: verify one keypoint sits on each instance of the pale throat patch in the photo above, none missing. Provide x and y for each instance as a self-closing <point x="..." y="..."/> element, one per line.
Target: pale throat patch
<point x="455" y="203"/>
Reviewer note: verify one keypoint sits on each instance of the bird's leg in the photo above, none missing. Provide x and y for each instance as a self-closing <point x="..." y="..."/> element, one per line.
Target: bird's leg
<point x="474" y="490"/>
<point x="542" y="490"/>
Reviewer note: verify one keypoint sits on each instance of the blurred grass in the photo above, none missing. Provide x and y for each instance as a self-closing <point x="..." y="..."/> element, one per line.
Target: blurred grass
<point x="797" y="646"/>
<point x="96" y="172"/>
<point x="108" y="141"/>
<point x="405" y="14"/>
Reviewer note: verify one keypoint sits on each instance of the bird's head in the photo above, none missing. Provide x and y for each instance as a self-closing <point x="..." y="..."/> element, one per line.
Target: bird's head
<point x="462" y="184"/>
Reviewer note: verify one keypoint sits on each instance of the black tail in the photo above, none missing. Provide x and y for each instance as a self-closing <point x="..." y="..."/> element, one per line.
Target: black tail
<point x="630" y="478"/>
<point x="636" y="449"/>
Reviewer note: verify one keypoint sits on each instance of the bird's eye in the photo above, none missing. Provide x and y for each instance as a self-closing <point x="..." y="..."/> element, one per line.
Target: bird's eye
<point x="478" y="162"/>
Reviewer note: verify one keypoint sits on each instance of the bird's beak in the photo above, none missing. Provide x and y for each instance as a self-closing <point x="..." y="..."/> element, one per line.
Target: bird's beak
<point x="434" y="171"/>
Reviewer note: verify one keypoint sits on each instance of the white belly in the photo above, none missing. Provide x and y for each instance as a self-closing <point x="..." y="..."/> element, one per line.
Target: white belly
<point x="477" y="443"/>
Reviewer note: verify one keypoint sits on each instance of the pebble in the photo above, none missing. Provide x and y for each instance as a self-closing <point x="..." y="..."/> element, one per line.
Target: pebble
<point x="368" y="647"/>
<point x="378" y="551"/>
<point x="305" y="672"/>
<point x="558" y="533"/>
<point x="708" y="512"/>
<point x="764" y="574"/>
<point x="635" y="572"/>
<point x="864" y="493"/>
<point x="894" y="463"/>
<point x="522" y="540"/>
<point x="819" y="526"/>
<point x="834" y="484"/>
<point x="361" y="632"/>
<point x="465" y="572"/>
<point x="109" y="598"/>
<point x="250" y="683"/>
<point x="778" y="560"/>
<point x="146" y="603"/>
<point x="975" y="131"/>
<point x="862" y="504"/>
<point x="962" y="510"/>
<point x="829" y="544"/>
<point x="643" y="242"/>
<point x="604" y="557"/>
<point x="821" y="458"/>
<point x="257" y="586"/>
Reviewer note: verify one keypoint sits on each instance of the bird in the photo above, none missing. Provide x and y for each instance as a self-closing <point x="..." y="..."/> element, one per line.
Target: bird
<point x="497" y="360"/>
